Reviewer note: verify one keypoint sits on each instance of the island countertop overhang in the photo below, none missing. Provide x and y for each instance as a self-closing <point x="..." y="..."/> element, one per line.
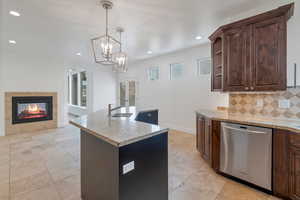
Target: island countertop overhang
<point x="118" y="131"/>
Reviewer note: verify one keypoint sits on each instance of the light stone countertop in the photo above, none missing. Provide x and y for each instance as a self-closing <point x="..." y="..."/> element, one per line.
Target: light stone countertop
<point x="118" y="131"/>
<point x="285" y="124"/>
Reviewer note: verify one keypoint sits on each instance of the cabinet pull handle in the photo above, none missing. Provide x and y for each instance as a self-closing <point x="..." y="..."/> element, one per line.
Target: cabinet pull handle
<point x="246" y="88"/>
<point x="252" y="88"/>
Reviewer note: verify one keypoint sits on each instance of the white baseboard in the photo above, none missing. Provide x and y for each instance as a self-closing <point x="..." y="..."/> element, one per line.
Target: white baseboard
<point x="178" y="128"/>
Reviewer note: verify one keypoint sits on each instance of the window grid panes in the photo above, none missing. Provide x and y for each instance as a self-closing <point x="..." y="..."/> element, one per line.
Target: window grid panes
<point x="74" y="89"/>
<point x="176" y="71"/>
<point x="153" y="73"/>
<point x="203" y="66"/>
<point x="77" y="88"/>
<point x="131" y="92"/>
<point x="83" y="89"/>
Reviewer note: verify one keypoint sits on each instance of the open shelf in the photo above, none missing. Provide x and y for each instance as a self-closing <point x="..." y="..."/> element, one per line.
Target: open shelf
<point x="218" y="75"/>
<point x="218" y="52"/>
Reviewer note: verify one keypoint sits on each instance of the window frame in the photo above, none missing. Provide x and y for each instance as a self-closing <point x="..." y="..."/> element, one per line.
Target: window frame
<point x="149" y="73"/>
<point x="70" y="85"/>
<point x="198" y="61"/>
<point x="170" y="71"/>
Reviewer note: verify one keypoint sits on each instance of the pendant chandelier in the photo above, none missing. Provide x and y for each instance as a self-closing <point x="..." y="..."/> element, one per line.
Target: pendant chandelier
<point x="120" y="58"/>
<point x="104" y="47"/>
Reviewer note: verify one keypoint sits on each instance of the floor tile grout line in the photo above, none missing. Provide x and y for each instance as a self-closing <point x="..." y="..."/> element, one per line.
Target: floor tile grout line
<point x="53" y="182"/>
<point x="60" y="195"/>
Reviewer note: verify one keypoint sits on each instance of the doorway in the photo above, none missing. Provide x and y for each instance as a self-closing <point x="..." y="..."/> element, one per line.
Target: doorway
<point x="127" y="94"/>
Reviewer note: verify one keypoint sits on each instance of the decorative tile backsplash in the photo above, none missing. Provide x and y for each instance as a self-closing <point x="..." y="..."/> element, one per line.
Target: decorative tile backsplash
<point x="267" y="104"/>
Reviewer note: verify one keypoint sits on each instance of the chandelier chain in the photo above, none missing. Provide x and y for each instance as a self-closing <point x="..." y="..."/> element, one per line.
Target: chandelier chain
<point x="106" y="9"/>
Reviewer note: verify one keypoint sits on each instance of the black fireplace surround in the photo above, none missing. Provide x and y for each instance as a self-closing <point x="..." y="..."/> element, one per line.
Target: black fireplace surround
<point x="32" y="109"/>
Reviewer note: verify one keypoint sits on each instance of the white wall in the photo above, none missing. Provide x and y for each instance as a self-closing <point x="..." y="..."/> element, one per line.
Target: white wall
<point x="1" y="96"/>
<point x="27" y="71"/>
<point x="176" y="100"/>
<point x="35" y="73"/>
<point x="1" y="73"/>
<point x="104" y="89"/>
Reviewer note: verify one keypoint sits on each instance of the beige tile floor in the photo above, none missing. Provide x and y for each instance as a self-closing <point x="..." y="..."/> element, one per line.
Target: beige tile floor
<point x="45" y="166"/>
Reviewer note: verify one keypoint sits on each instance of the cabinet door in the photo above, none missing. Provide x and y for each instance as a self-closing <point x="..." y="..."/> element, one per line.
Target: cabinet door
<point x="294" y="173"/>
<point x="280" y="163"/>
<point x="206" y="141"/>
<point x="216" y="145"/>
<point x="200" y="129"/>
<point x="204" y="138"/>
<point x="269" y="55"/>
<point x="236" y="59"/>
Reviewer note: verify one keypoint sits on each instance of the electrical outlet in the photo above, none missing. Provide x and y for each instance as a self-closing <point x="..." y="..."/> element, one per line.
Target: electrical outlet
<point x="284" y="103"/>
<point x="259" y="103"/>
<point x="128" y="167"/>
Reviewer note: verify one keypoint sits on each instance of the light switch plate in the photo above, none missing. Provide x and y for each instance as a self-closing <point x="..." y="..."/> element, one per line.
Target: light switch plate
<point x="128" y="167"/>
<point x="284" y="103"/>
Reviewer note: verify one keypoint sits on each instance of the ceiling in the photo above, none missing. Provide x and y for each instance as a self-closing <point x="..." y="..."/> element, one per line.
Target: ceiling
<point x="65" y="27"/>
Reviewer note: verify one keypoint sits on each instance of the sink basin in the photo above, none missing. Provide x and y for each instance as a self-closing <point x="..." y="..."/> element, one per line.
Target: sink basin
<point x="122" y="115"/>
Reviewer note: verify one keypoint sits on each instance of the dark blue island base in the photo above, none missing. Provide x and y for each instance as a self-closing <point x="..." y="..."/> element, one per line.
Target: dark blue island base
<point x="137" y="171"/>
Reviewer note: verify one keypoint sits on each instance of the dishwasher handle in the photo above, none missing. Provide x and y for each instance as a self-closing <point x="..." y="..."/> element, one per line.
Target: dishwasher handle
<point x="244" y="130"/>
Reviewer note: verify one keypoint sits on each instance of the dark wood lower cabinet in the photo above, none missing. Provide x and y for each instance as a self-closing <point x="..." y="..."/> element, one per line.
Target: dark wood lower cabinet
<point x="294" y="173"/>
<point x="280" y="164"/>
<point x="286" y="164"/>
<point x="208" y="140"/>
<point x="216" y="145"/>
<point x="204" y="137"/>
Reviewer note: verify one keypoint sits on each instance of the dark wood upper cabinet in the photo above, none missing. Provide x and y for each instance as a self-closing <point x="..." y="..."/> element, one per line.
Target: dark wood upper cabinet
<point x="250" y="54"/>
<point x="269" y="55"/>
<point x="236" y="61"/>
<point x="217" y="62"/>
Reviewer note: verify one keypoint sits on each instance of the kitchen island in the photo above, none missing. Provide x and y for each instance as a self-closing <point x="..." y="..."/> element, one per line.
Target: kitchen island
<point x="121" y="158"/>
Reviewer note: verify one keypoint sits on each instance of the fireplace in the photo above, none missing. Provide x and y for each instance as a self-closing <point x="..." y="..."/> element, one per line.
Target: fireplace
<point x="31" y="109"/>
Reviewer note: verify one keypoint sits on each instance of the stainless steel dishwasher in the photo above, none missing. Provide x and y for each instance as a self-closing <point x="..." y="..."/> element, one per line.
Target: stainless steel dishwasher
<point x="246" y="153"/>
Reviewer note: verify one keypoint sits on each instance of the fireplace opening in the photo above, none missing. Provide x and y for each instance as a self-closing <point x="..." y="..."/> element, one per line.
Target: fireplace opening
<point x="31" y="109"/>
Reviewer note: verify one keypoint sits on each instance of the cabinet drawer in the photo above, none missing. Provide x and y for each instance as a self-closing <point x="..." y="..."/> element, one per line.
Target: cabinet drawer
<point x="295" y="140"/>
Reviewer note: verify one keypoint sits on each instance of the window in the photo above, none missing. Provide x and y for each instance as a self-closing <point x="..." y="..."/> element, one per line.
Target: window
<point x="77" y="88"/>
<point x="176" y="71"/>
<point x="153" y="73"/>
<point x="204" y="66"/>
<point x="74" y="91"/>
<point x="83" y="89"/>
<point x="127" y="93"/>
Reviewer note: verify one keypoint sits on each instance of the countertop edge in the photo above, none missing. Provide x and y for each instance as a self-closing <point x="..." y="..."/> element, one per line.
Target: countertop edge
<point x="94" y="133"/>
<point x="143" y="137"/>
<point x="106" y="139"/>
<point x="282" y="127"/>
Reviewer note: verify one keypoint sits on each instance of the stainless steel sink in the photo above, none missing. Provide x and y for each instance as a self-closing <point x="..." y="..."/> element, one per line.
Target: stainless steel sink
<point x="122" y="115"/>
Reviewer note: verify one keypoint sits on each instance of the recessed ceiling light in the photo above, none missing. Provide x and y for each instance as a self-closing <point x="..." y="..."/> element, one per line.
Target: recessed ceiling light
<point x="14" y="13"/>
<point x="12" y="42"/>
<point x="199" y="37"/>
<point x="149" y="52"/>
<point x="78" y="54"/>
